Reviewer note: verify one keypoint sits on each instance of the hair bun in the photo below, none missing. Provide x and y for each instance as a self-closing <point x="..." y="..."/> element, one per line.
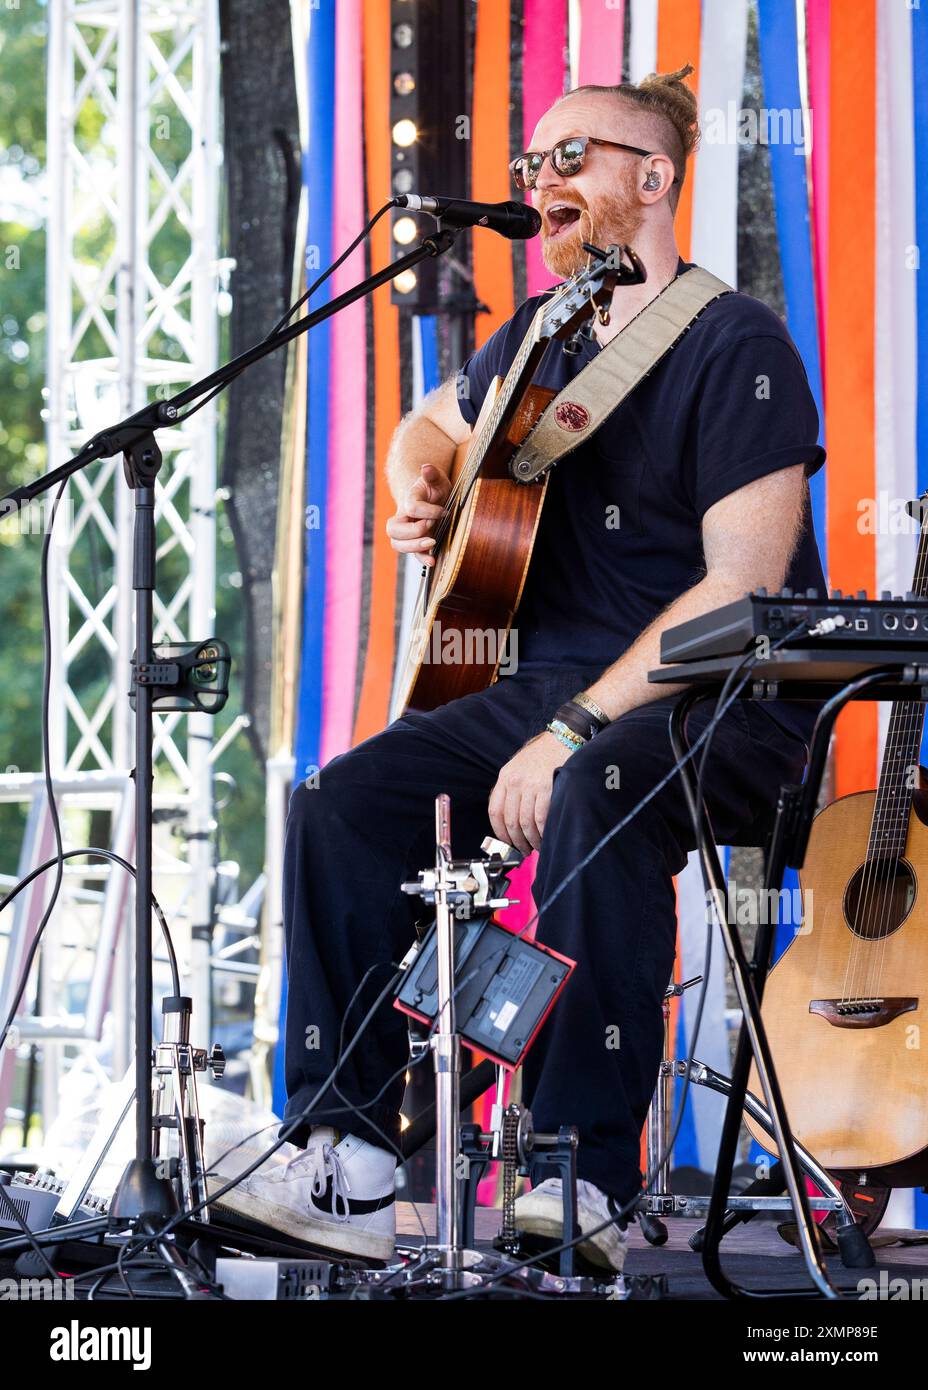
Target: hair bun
<point x="667" y="94"/>
<point x="667" y="77"/>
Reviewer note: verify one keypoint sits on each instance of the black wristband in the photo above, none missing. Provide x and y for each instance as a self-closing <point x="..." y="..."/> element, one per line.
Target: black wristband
<point x="580" y="720"/>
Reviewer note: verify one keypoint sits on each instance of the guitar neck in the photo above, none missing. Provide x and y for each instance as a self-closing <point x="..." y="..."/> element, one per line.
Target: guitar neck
<point x="899" y="768"/>
<point x="513" y="387"/>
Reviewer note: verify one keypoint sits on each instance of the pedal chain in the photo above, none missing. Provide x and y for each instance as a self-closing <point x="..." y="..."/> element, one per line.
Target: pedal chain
<point x="510" y="1157"/>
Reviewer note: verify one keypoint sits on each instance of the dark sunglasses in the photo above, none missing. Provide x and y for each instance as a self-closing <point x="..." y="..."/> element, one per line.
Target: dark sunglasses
<point x="567" y="158"/>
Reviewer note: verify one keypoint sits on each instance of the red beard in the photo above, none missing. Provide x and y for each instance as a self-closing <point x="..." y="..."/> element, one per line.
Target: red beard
<point x="611" y="217"/>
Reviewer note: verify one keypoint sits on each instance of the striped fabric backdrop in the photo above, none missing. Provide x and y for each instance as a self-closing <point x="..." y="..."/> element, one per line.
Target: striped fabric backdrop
<point x="850" y="192"/>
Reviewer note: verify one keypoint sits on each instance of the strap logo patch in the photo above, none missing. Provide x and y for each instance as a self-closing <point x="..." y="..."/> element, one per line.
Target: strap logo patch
<point x="570" y="415"/>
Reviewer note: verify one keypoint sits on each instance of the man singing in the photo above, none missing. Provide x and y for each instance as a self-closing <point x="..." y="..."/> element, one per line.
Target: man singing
<point x="705" y="465"/>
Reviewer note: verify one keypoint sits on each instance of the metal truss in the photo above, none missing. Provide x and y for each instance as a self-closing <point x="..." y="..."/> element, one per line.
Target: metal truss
<point x="132" y="282"/>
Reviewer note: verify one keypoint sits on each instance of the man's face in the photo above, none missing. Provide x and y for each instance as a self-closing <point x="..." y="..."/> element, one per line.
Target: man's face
<point x="600" y="204"/>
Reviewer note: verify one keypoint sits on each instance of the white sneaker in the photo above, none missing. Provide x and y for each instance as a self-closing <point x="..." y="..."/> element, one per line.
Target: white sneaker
<point x="540" y="1213"/>
<point x="338" y="1196"/>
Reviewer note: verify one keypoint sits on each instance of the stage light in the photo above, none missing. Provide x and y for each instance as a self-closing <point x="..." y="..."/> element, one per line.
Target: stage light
<point x="405" y="282"/>
<point x="405" y="230"/>
<point x="405" y="133"/>
<point x="426" y="155"/>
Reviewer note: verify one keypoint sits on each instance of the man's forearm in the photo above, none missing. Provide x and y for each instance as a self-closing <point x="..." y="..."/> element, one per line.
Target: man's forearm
<point x="417" y="440"/>
<point x="624" y="685"/>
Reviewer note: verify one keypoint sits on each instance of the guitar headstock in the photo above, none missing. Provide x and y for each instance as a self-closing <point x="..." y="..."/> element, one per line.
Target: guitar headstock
<point x="590" y="291"/>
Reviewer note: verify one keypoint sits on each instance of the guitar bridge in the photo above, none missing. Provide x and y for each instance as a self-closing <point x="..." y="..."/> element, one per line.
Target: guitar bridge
<point x="862" y="1013"/>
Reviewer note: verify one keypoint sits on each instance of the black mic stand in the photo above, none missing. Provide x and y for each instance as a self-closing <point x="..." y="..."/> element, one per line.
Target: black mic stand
<point x="143" y="1199"/>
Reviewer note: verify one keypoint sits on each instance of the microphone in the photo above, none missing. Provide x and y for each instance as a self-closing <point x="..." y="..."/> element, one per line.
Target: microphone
<point x="517" y="221"/>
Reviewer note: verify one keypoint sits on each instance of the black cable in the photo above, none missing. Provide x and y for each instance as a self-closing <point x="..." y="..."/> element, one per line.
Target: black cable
<point x="106" y="1273"/>
<point x="295" y="1121"/>
<point x="630" y="816"/>
<point x="340" y="1058"/>
<point x="723" y="704"/>
<point x="46" y="630"/>
<point x="725" y="699"/>
<point x="290" y="312"/>
<point x="58" y="861"/>
<point x="289" y="1127"/>
<point x="27" y="1232"/>
<point x="700" y="829"/>
<point x="388" y="1142"/>
<point x="61" y="855"/>
<point x="348" y="1108"/>
<point x="30" y="957"/>
<point x="304" y="298"/>
<point x="102" y="1275"/>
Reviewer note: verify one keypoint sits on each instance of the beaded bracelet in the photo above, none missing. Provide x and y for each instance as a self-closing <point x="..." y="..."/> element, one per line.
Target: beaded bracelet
<point x="565" y="736"/>
<point x="580" y="720"/>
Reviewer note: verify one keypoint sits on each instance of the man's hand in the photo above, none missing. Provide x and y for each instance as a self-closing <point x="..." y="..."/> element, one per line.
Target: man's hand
<point x="417" y="511"/>
<point x="519" y="802"/>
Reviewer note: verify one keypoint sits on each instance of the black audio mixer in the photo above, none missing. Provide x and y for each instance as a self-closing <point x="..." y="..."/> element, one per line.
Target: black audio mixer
<point x="889" y="623"/>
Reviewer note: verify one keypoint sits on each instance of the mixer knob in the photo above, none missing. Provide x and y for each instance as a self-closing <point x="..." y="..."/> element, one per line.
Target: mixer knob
<point x="836" y="594"/>
<point x="786" y="592"/>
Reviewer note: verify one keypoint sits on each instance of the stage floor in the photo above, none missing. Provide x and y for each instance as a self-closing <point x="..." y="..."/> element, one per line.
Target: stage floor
<point x="753" y="1256"/>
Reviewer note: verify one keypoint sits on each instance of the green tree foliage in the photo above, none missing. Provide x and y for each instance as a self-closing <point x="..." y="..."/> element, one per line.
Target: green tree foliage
<point x="22" y="375"/>
<point x="23" y="39"/>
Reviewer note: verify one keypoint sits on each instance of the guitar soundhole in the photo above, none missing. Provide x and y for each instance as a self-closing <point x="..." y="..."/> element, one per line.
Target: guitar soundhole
<point x="879" y="897"/>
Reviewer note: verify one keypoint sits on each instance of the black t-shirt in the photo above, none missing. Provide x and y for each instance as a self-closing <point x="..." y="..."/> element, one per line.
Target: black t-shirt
<point x="620" y="531"/>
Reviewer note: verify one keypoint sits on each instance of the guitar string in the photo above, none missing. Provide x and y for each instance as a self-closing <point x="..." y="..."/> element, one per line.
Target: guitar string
<point x="479" y="447"/>
<point x="861" y="953"/>
<point x="478" y="450"/>
<point x="910" y="722"/>
<point x="875" y="896"/>
<point x="856" y="960"/>
<point x="459" y="492"/>
<point x="855" y="967"/>
<point x="866" y="958"/>
<point x="906" y="723"/>
<point x="477" y="453"/>
<point x="885" y="838"/>
<point x="876" y="891"/>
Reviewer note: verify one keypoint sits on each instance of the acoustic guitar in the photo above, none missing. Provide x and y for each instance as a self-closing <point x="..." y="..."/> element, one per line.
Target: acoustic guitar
<point x="467" y="600"/>
<point x="846" y="1005"/>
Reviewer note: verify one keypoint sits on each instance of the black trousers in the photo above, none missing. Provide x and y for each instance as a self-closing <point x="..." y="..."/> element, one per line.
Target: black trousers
<point x="368" y="824"/>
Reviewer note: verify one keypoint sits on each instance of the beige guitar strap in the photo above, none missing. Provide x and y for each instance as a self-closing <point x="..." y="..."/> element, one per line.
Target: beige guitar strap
<point x="581" y="407"/>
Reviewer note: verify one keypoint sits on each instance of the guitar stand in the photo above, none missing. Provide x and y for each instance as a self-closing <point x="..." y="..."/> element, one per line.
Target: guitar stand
<point x="764" y="1195"/>
<point x="796" y="807"/>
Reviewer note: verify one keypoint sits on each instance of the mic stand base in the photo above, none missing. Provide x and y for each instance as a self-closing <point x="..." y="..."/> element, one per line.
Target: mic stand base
<point x="141" y="1194"/>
